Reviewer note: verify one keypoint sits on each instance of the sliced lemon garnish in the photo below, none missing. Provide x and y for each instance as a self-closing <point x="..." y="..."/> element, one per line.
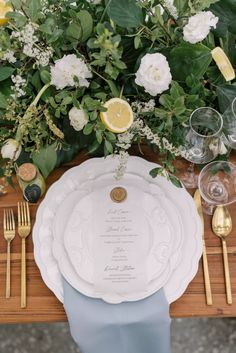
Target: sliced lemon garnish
<point x="119" y="116"/>
<point x="4" y="9"/>
<point x="223" y="63"/>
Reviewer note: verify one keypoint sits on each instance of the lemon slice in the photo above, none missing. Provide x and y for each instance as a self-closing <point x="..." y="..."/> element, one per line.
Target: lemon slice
<point x="223" y="63"/>
<point x="4" y="9"/>
<point x="119" y="116"/>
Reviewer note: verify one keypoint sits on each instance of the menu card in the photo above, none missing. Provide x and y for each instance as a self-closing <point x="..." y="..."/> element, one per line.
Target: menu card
<point x="120" y="242"/>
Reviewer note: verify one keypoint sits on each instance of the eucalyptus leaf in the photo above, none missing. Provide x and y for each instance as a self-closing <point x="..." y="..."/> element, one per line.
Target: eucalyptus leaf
<point x="126" y="13"/>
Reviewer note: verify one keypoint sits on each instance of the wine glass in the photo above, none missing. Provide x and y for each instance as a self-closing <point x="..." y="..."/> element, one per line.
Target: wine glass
<point x="217" y="185"/>
<point x="229" y="124"/>
<point x="202" y="141"/>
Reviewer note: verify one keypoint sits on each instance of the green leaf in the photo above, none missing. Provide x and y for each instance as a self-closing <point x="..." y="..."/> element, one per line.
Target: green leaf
<point x="225" y="10"/>
<point x="33" y="10"/>
<point x="99" y="136"/>
<point x="126" y="13"/>
<point x="74" y="31"/>
<point x="110" y="136"/>
<point x="88" y="129"/>
<point x="175" y="181"/>
<point x="45" y="76"/>
<point x="48" y="26"/>
<point x="113" y="88"/>
<point x="46" y="159"/>
<point x="20" y="20"/>
<point x="86" y="22"/>
<point x="185" y="59"/>
<point x="182" y="6"/>
<point x="66" y="155"/>
<point x="94" y="147"/>
<point x="5" y="72"/>
<point x="225" y="94"/>
<point x="108" y="146"/>
<point x="3" y="101"/>
<point x="155" y="172"/>
<point x="200" y="5"/>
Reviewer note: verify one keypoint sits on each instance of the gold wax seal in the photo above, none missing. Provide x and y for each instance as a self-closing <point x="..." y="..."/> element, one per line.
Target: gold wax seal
<point x="118" y="194"/>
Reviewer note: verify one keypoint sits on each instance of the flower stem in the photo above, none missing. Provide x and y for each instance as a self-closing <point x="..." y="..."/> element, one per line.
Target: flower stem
<point x="41" y="92"/>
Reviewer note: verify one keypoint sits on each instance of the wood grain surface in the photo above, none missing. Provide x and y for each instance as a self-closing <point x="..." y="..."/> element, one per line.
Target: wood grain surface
<point x="42" y="305"/>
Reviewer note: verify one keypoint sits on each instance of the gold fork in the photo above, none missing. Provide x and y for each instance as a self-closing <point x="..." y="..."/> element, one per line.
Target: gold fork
<point x="24" y="228"/>
<point x="9" y="235"/>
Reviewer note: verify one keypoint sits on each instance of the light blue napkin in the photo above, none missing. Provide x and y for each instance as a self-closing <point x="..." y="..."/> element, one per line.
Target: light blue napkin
<point x="130" y="327"/>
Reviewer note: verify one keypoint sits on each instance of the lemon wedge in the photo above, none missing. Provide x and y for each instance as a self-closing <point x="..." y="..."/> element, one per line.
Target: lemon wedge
<point x="119" y="116"/>
<point x="4" y="9"/>
<point x="223" y="63"/>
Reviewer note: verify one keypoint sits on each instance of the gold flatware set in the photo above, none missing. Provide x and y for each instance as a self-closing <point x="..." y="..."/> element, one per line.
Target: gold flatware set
<point x="222" y="227"/>
<point x="23" y="229"/>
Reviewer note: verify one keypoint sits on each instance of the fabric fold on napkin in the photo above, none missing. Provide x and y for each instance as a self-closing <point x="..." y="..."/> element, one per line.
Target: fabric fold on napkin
<point x="130" y="327"/>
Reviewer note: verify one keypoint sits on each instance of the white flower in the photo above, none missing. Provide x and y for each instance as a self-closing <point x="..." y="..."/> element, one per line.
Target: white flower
<point x="70" y="71"/>
<point x="198" y="26"/>
<point x="78" y="118"/>
<point x="11" y="149"/>
<point x="169" y="5"/>
<point x="9" y="56"/>
<point x="19" y="85"/>
<point x="154" y="74"/>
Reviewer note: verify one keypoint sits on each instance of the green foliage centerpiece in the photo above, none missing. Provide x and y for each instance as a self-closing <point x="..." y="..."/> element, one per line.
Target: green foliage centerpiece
<point x="62" y="60"/>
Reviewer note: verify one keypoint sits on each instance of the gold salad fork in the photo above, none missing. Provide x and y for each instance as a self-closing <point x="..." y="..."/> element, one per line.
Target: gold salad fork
<point x="9" y="234"/>
<point x="24" y="228"/>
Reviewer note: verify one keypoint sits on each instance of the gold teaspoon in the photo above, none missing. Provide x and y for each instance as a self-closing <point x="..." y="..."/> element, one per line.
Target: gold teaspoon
<point x="222" y="227"/>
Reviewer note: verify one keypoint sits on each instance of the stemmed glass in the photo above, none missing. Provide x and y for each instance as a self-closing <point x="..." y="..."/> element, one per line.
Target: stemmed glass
<point x="229" y="124"/>
<point x="217" y="185"/>
<point x="202" y="141"/>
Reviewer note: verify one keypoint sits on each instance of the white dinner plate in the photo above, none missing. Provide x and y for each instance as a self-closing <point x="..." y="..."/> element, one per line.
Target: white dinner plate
<point x="91" y="169"/>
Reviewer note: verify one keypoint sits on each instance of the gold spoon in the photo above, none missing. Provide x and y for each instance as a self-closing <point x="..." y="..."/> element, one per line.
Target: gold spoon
<point x="222" y="227"/>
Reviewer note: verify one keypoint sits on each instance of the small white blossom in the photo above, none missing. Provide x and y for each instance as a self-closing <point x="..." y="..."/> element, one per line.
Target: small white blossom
<point x="154" y="74"/>
<point x="170" y="7"/>
<point x="162" y="143"/>
<point x="9" y="56"/>
<point x="125" y="140"/>
<point x="11" y="149"/>
<point x="121" y="169"/>
<point x="30" y="42"/>
<point x="19" y="84"/>
<point x="143" y="107"/>
<point x="199" y="26"/>
<point x="70" y="71"/>
<point x="78" y="118"/>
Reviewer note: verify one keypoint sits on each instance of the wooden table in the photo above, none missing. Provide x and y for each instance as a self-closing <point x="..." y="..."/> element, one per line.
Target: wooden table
<point x="42" y="305"/>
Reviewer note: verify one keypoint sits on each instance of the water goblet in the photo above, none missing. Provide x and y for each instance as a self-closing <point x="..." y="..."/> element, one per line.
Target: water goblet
<point x="217" y="185"/>
<point x="229" y="124"/>
<point x="202" y="141"/>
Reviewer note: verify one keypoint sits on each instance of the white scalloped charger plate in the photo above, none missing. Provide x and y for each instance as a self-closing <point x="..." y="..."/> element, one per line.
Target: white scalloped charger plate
<point x="72" y="180"/>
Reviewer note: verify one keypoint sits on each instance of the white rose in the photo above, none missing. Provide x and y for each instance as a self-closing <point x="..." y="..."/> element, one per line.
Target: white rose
<point x="78" y="118"/>
<point x="11" y="149"/>
<point x="154" y="74"/>
<point x="198" y="26"/>
<point x="68" y="70"/>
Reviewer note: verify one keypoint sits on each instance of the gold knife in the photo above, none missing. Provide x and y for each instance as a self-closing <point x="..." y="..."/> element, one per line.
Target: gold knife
<point x="198" y="203"/>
